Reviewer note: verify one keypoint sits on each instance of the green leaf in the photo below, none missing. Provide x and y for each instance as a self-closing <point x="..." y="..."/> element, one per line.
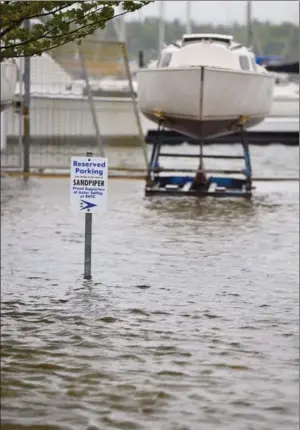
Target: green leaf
<point x="61" y="22"/>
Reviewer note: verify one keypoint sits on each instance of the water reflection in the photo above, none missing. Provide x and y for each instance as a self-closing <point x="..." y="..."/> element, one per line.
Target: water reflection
<point x="202" y="209"/>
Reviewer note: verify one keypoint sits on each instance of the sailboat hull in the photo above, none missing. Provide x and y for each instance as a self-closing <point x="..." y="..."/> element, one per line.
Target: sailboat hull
<point x="204" y="102"/>
<point x="205" y="129"/>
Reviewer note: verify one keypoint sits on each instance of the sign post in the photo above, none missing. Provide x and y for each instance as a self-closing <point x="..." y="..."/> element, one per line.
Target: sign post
<point x="89" y="180"/>
<point x="88" y="246"/>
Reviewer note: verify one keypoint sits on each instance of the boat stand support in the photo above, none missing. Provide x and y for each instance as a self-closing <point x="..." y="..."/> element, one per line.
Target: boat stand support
<point x="176" y="182"/>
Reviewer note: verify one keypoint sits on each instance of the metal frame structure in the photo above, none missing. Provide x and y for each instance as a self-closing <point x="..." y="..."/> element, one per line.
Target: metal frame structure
<point x="174" y="182"/>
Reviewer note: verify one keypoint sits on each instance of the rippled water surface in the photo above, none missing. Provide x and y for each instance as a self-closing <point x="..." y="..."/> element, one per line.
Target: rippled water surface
<point x="190" y="321"/>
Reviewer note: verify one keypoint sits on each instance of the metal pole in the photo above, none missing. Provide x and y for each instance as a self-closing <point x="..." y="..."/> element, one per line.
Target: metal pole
<point x="88" y="247"/>
<point x="161" y="30"/>
<point x="26" y="111"/>
<point x="135" y="105"/>
<point x="20" y="113"/>
<point x="201" y="156"/>
<point x="88" y="242"/>
<point x="188" y="23"/>
<point x="249" y="40"/>
<point x="248" y="166"/>
<point x="141" y="60"/>
<point x="91" y="102"/>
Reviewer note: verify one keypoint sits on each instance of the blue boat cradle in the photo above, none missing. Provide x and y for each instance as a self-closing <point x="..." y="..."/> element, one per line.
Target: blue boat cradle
<point x="176" y="182"/>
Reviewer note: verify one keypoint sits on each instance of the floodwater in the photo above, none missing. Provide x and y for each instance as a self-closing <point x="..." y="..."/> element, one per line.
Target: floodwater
<point x="190" y="321"/>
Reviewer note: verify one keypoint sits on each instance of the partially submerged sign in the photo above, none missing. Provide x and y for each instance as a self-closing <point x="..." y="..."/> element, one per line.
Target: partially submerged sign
<point x="89" y="180"/>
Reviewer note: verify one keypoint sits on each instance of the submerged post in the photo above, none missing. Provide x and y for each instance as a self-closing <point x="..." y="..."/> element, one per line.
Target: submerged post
<point x="88" y="246"/>
<point x="89" y="177"/>
<point x="87" y="273"/>
<point x="26" y="111"/>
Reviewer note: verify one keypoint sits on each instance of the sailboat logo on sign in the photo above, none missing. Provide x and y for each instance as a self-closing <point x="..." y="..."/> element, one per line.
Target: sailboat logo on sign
<point x="84" y="205"/>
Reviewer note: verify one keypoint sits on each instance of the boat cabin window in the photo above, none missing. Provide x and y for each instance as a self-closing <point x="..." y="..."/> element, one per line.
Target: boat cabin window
<point x="253" y="64"/>
<point x="244" y="62"/>
<point x="165" y="59"/>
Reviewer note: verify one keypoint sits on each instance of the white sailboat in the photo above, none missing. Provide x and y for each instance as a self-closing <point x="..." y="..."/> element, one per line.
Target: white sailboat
<point x="284" y="113"/>
<point x="205" y="87"/>
<point x="285" y="103"/>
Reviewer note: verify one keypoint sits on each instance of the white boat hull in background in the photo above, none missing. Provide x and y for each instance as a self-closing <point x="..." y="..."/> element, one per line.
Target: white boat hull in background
<point x="65" y="119"/>
<point x="285" y="101"/>
<point x="9" y="74"/>
<point x="203" y="102"/>
<point x="285" y="107"/>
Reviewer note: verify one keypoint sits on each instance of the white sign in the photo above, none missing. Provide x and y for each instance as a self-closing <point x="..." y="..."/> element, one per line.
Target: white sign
<point x="89" y="180"/>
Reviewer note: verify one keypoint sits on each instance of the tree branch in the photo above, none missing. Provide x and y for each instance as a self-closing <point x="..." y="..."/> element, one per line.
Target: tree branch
<point x="45" y="36"/>
<point x="35" y="39"/>
<point x="51" y="12"/>
<point x="67" y="21"/>
<point x="17" y="24"/>
<point x="52" y="47"/>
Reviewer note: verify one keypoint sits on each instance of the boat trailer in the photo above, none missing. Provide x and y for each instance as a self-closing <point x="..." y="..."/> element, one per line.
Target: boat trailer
<point x="180" y="182"/>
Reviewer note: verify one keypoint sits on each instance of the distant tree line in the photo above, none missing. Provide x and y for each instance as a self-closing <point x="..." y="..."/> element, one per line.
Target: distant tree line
<point x="268" y="39"/>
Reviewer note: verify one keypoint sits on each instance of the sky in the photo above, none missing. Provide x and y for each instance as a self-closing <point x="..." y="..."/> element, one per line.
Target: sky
<point x="224" y="12"/>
